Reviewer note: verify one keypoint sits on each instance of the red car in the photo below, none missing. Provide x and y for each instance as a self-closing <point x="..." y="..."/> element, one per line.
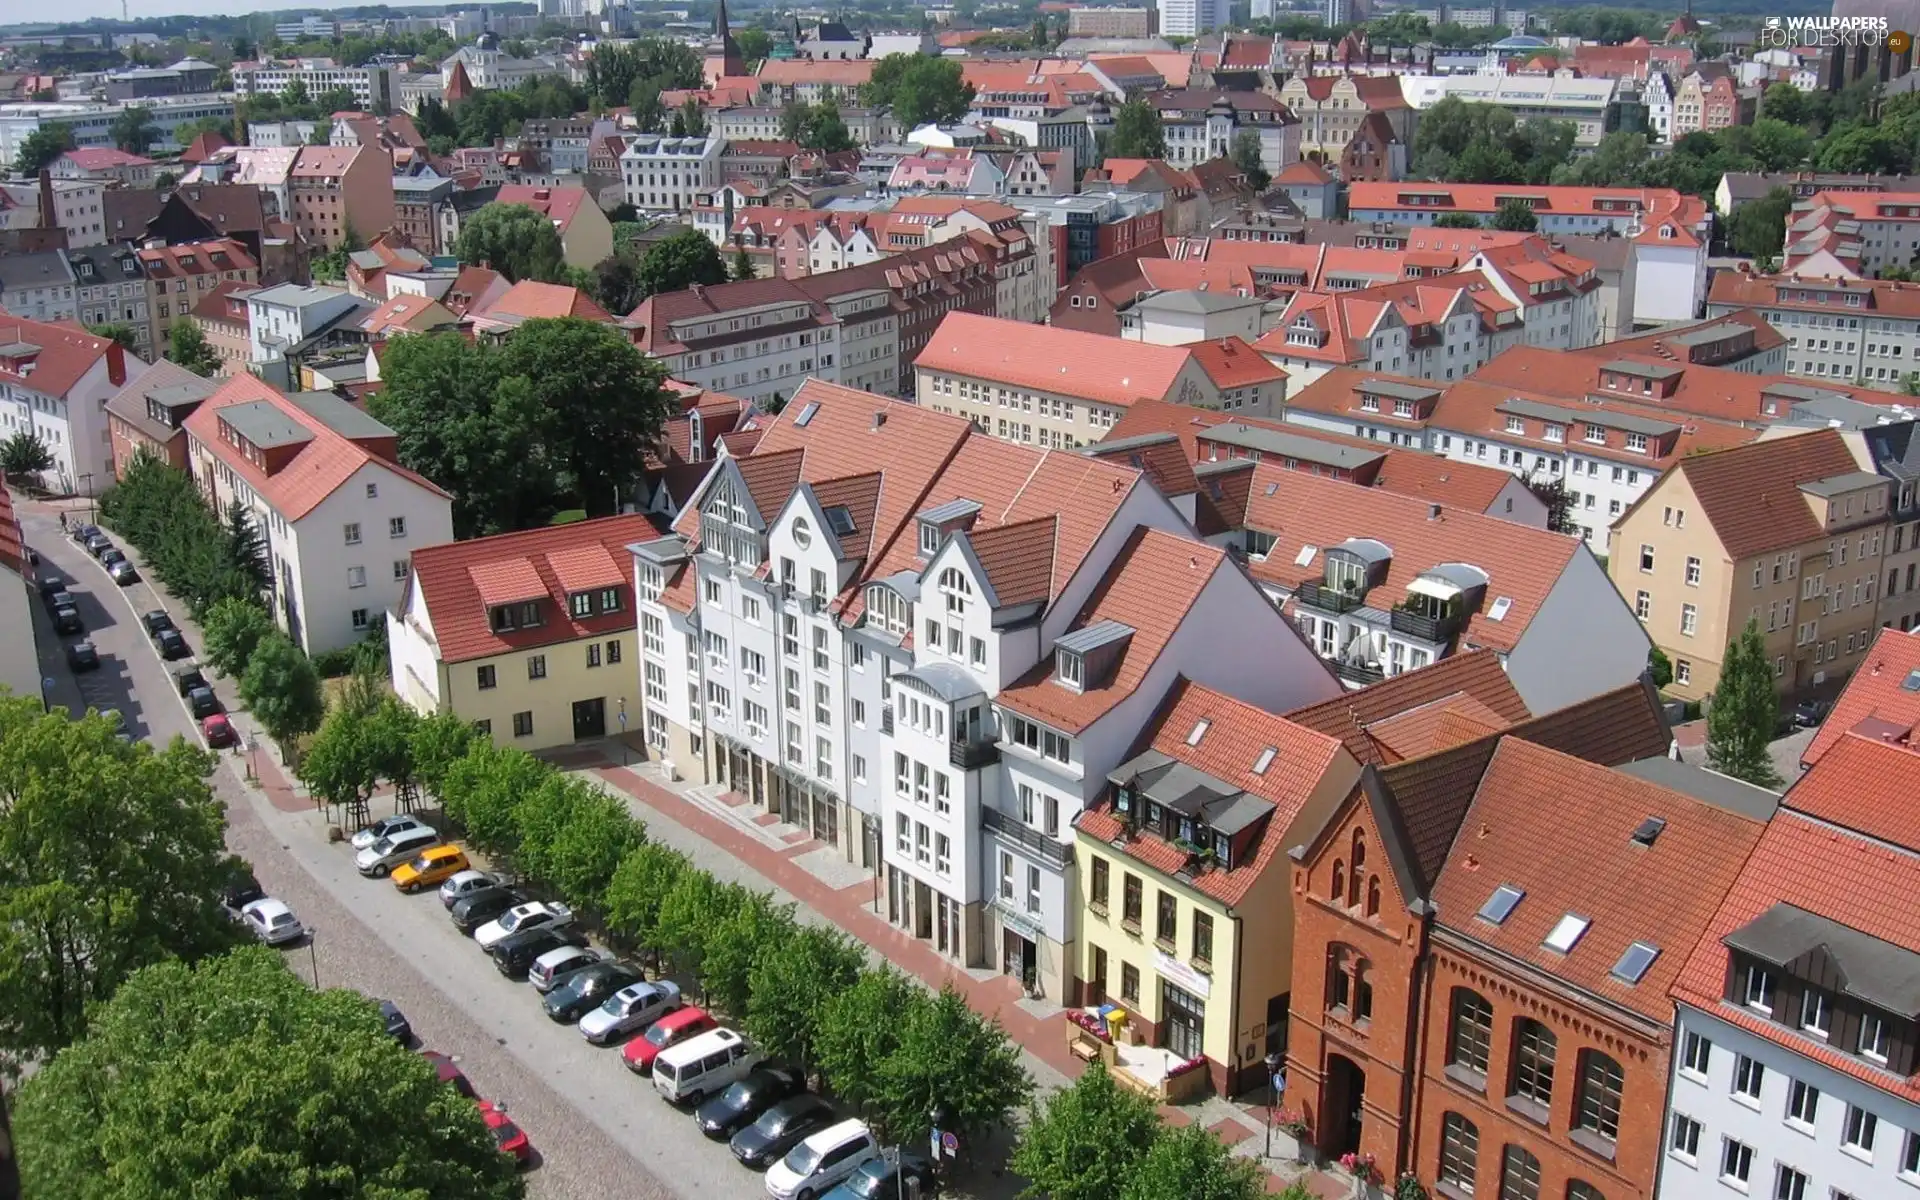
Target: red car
<point x="449" y="1073"/>
<point x="506" y="1134"/>
<point x="217" y="730"/>
<point x="676" y="1026"/>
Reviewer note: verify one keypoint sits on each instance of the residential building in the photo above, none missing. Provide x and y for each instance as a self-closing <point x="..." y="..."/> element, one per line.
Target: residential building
<point x="1086" y="228"/>
<point x="1088" y="21"/>
<point x="488" y="67"/>
<point x="19" y="658"/>
<point x="323" y="484"/>
<point x="1778" y="523"/>
<point x="1587" y="104"/>
<point x="1310" y="188"/>
<point x="1191" y="18"/>
<point x="1376" y="152"/>
<point x="1892" y="450"/>
<point x="91" y="122"/>
<point x="179" y="276"/>
<point x="282" y="135"/>
<point x="186" y="77"/>
<point x="1623" y="211"/>
<point x="149" y="414"/>
<point x="1333" y="108"/>
<point x="1184" y="317"/>
<point x="225" y="322"/>
<point x="1708" y="106"/>
<point x="103" y="164"/>
<point x="1057" y="388"/>
<point x="1201" y="125"/>
<point x="55" y="381"/>
<point x="665" y="174"/>
<point x="373" y="85"/>
<point x="199" y="212"/>
<point x="1744" y="187"/>
<point x="110" y="287"/>
<point x="415" y="198"/>
<point x="586" y="236"/>
<point x="77" y="209"/>
<point x="1442" y="328"/>
<point x="1839" y="327"/>
<point x="529" y="636"/>
<point x="336" y="192"/>
<point x="281" y="318"/>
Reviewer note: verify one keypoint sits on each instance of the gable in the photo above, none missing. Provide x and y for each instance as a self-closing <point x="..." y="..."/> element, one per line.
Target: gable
<point x="1358" y="823"/>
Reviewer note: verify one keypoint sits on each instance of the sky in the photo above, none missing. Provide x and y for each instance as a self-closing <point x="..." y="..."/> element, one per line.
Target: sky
<point x="81" y="10"/>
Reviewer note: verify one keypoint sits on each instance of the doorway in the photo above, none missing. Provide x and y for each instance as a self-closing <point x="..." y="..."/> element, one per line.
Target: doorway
<point x="826" y="819"/>
<point x="589" y="718"/>
<point x="1019" y="957"/>
<point x="1345" y="1101"/>
<point x="1185" y="1021"/>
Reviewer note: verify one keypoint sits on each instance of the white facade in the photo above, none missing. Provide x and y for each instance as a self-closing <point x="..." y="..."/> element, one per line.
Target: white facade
<point x="281" y="134"/>
<point x="39" y="286"/>
<point x="1658" y="97"/>
<point x="278" y="317"/>
<point x="491" y="69"/>
<point x="1190" y="18"/>
<point x="73" y="427"/>
<point x="667" y="174"/>
<point x="371" y="85"/>
<point x="92" y="122"/>
<point x="1670" y="281"/>
<point x="1558" y="97"/>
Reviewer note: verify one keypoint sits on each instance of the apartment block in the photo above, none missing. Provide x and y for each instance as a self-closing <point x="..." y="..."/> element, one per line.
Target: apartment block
<point x="373" y="87"/>
<point x="55" y="381"/>
<point x="336" y="190"/>
<point x="1332" y="109"/>
<point x="666" y="174"/>
<point x="1864" y="331"/>
<point x="1851" y="234"/>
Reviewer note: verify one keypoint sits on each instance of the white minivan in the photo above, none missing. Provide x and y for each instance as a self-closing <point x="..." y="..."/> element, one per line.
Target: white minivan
<point x="703" y="1066"/>
<point x="823" y="1160"/>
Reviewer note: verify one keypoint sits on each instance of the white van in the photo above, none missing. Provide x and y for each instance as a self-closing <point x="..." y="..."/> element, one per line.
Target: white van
<point x="823" y="1160"/>
<point x="703" y="1066"/>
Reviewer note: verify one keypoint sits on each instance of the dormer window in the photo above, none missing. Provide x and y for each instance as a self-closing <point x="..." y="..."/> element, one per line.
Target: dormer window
<point x="507" y="617"/>
<point x="581" y="604"/>
<point x="1069" y="669"/>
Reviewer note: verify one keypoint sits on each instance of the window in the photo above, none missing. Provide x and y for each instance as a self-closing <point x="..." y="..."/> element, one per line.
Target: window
<point x="613" y="651"/>
<point x="1166" y="917"/>
<point x="1202" y="938"/>
<point x="1533" y="1050"/>
<point x="1646" y="558"/>
<point x="396" y="527"/>
<point x="1642" y="605"/>
<point x="1736" y="1163"/>
<point x="1910" y="1155"/>
<point x="1803" y="1102"/>
<point x="483" y="677"/>
<point x="352" y="531"/>
<point x="1598" y="1107"/>
<point x="356" y="577"/>
<point x="1129" y="983"/>
<point x="1816" y="1013"/>
<point x="1581" y="1190"/>
<point x="1873" y="1037"/>
<point x="399" y="568"/>
<point x="1519" y="1175"/>
<point x="1695" y="1053"/>
<point x="593" y="654"/>
<point x="1858" y="1131"/>
<point x="1033" y="889"/>
<point x="523" y="724"/>
<point x="1682" y="671"/>
<point x="1459" y="1151"/>
<point x="1747" y="1077"/>
<point x="1693" y="571"/>
<point x="1470" y="1040"/>
<point x="1130" y="901"/>
<point x="536" y="666"/>
<point x="1789" y="1184"/>
<point x="1098" y="887"/>
<point x="1689" y="619"/>
<point x="1685" y="1141"/>
<point x="1759" y="989"/>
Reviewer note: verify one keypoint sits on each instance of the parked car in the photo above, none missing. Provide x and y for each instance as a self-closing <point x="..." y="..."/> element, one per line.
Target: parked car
<point x="745" y="1099"/>
<point x="49" y="586"/>
<point x="272" y="921"/>
<point x="630" y="1010"/>
<point x="531" y="915"/>
<point x="822" y="1161"/>
<point x="389" y="852"/>
<point x="514" y="954"/>
<point x="583" y="991"/>
<point x="112" y="555"/>
<point x="82" y="534"/>
<point x="450" y="1073"/>
<point x="99" y="544"/>
<point x="218" y="731"/>
<point x="59" y="598"/>
<point x="506" y="1134"/>
<point x="551" y="969"/>
<point x="155" y="620"/>
<point x="880" y="1180"/>
<point x="242" y="891"/>
<point x="1808" y="714"/>
<point x="676" y="1026"/>
<point x="81" y="656"/>
<point x="385" y="827"/>
<point x="171" y="644"/>
<point x="434" y="864"/>
<point x="123" y="573"/>
<point x="203" y="702"/>
<point x="185" y="679"/>
<point x="477" y="908"/>
<point x="464" y="883"/>
<point x="398" y="1027"/>
<point x="66" y="621"/>
<point x="780" y="1129"/>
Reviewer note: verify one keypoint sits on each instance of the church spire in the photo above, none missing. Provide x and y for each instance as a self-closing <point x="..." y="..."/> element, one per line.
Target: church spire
<point x="732" y="62"/>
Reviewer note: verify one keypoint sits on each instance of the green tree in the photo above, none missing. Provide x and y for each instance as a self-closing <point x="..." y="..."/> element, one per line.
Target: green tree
<point x="685" y="918"/>
<point x="434" y="743"/>
<point x="950" y="1057"/>
<point x="753" y="927"/>
<point x="1745" y="712"/>
<point x="742" y="263"/>
<point x="230" y="631"/>
<point x="188" y="346"/>
<point x="1515" y="215"/>
<point x="860" y="1029"/>
<point x="1758" y="228"/>
<point x="693" y="118"/>
<point x="24" y="455"/>
<point x="1191" y="1162"/>
<point x="111" y="858"/>
<point x="1246" y="156"/>
<point x="118" y="333"/>
<point x="1457" y="220"/>
<point x="791" y="986"/>
<point x="247" y="549"/>
<point x="133" y="130"/>
<point x="39" y="148"/>
<point x="1137" y="132"/>
<point x="1086" y="1141"/>
<point x="676" y="262"/>
<point x="616" y="281"/>
<point x="586" y="852"/>
<point x="160" y="510"/>
<point x="642" y="881"/>
<point x="920" y="89"/>
<point x="755" y="43"/>
<point x="236" y="1079"/>
<point x="512" y="239"/>
<point x="343" y="763"/>
<point x="1659" y="667"/>
<point x="481" y="791"/>
<point x="282" y="690"/>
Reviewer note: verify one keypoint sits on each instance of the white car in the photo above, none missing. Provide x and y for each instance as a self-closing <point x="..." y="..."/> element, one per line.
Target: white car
<point x="385" y="827"/>
<point x="463" y="883"/>
<point x="630" y="1010"/>
<point x="531" y="915"/>
<point x="823" y="1160"/>
<point x="379" y="859"/>
<point x="558" y="963"/>
<point x="272" y="921"/>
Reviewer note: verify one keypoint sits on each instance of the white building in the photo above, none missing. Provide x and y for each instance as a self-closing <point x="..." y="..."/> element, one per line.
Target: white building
<point x="372" y="86"/>
<point x="1657" y="94"/>
<point x="38" y="285"/>
<point x="55" y="382"/>
<point x="278" y="135"/>
<point x="281" y="316"/>
<point x="665" y="174"/>
<point x="1191" y="18"/>
<point x="339" y="516"/>
<point x="489" y="68"/>
<point x="1558" y="97"/>
<point x="77" y="208"/>
<point x="91" y="122"/>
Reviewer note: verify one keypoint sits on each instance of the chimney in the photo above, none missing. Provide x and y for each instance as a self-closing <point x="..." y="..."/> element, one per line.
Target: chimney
<point x="49" y="219"/>
<point x="1433" y="512"/>
<point x="879" y="417"/>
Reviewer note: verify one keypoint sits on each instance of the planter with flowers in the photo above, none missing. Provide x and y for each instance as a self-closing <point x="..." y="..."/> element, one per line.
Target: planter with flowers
<point x="1293" y="1123"/>
<point x="1364" y="1170"/>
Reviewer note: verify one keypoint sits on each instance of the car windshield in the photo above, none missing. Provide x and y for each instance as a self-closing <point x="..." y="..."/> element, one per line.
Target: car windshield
<point x="803" y="1160"/>
<point x="382" y="846"/>
<point x="504" y="1132"/>
<point x="422" y="863"/>
<point x="738" y="1096"/>
<point x="279" y="919"/>
<point x="660" y="1034"/>
<point x="867" y="1184"/>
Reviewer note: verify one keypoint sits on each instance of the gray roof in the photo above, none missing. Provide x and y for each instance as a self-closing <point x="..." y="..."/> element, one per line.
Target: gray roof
<point x="1196" y="301"/>
<point x="943" y="680"/>
<point x="664" y="550"/>
<point x="187" y="391"/>
<point x="38" y="269"/>
<point x="1190" y="792"/>
<point x="1801" y="391"/>
<point x="1292" y="445"/>
<point x="1721" y="791"/>
<point x="1833" y="485"/>
<point x="1640" y="370"/>
<point x="263" y="424"/>
<point x="336" y="414"/>
<point x="1367" y="550"/>
<point x="1464" y="576"/>
<point x="293" y="295"/>
<point x="1844" y="412"/>
<point x="1396" y="389"/>
<point x="1712" y="332"/>
<point x="1139" y="441"/>
<point x="1609" y="418"/>
<point x="952" y="510"/>
<point x="1882" y="974"/>
<point x="1094" y="636"/>
<point x="164" y="381"/>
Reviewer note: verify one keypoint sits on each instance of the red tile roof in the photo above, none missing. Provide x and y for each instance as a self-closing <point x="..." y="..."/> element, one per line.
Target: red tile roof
<point x="530" y="299"/>
<point x="1231" y="363"/>
<point x="1064" y="361"/>
<point x="1865" y="782"/>
<point x="559" y="205"/>
<point x="99" y="158"/>
<point x="406" y="313"/>
<point x="1560" y="830"/>
<point x="1751" y="494"/>
<point x="1471" y="682"/>
<point x="1877" y="693"/>
<point x="64" y="355"/>
<point x="460" y="580"/>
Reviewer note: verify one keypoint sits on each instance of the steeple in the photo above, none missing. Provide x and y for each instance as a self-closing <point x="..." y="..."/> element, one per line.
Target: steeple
<point x="732" y="62"/>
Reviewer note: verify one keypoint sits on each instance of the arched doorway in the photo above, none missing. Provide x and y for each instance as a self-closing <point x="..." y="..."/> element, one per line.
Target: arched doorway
<point x="1340" y="1111"/>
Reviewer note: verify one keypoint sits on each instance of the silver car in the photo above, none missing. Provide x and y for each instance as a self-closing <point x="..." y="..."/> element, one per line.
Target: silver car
<point x="379" y="859"/>
<point x="272" y="921"/>
<point x="464" y="883"/>
<point x="555" y="965"/>
<point x="385" y="827"/>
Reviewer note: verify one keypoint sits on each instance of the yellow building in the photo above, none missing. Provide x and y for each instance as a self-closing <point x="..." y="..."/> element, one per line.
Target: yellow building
<point x="1183" y="898"/>
<point x="528" y="635"/>
<point x="1788" y="533"/>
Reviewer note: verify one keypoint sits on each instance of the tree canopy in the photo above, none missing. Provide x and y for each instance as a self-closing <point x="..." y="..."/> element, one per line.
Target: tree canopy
<point x="659" y="64"/>
<point x="512" y="239"/>
<point x="133" y="130"/>
<point x="1136" y="132"/>
<point x="39" y="148"/>
<point x="188" y="346"/>
<point x="1246" y="156"/>
<point x="158" y="508"/>
<point x="25" y="455"/>
<point x="919" y="88"/>
<point x="1758" y="228"/>
<point x="1087" y="1140"/>
<point x="1462" y="142"/>
<point x="679" y="261"/>
<point x="282" y="690"/>
<point x="1744" y="712"/>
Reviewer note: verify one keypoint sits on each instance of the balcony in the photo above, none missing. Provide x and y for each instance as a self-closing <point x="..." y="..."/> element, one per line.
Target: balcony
<point x="982" y="752"/>
<point x="1429" y="627"/>
<point x="1359" y="674"/>
<point x="1326" y="599"/>
<point x="1027" y="838"/>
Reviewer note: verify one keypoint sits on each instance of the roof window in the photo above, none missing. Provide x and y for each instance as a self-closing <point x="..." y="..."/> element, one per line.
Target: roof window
<point x="1499" y="906"/>
<point x="1649" y="830"/>
<point x="1633" y="964"/>
<point x="1501" y="606"/>
<point x="1912" y="682"/>
<point x="1305" y="556"/>
<point x="1199" y="731"/>
<point x="1265" y="760"/>
<point x="1567" y="933"/>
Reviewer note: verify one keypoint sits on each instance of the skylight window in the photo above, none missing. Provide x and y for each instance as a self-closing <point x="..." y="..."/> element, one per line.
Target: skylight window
<point x="1634" y="963"/>
<point x="1272" y="488"/>
<point x="1265" y="760"/>
<point x="1501" y="605"/>
<point x="1567" y="933"/>
<point x="1305" y="556"/>
<point x="1911" y="683"/>
<point x="1199" y="731"/>
<point x="806" y="414"/>
<point x="1499" y="906"/>
<point x="839" y="520"/>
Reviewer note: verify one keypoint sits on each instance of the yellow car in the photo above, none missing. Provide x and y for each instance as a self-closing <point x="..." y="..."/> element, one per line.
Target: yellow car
<point x="434" y="864"/>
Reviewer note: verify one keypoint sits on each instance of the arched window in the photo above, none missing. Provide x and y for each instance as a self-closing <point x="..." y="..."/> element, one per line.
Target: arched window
<point x="1519" y="1175"/>
<point x="1373" y="896"/>
<point x="1470" y="1038"/>
<point x="1598" y="1108"/>
<point x="1533" y="1049"/>
<point x="1459" y="1151"/>
<point x="1339" y="983"/>
<point x="1339" y="889"/>
<point x="1362" y="992"/>
<point x="1580" y="1189"/>
<point x="1359" y="865"/>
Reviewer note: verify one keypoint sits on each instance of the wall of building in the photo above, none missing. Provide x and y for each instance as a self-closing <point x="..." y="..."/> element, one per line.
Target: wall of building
<point x="1583" y="641"/>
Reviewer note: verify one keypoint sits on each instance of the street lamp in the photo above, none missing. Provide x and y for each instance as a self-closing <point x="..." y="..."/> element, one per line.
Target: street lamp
<point x="1275" y="1064"/>
<point x="313" y="957"/>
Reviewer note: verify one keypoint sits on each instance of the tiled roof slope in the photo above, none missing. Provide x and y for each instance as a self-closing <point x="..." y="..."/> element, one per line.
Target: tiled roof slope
<point x="1109" y="370"/>
<point x="1865" y="783"/>
<point x="1717" y="392"/>
<point x="1476" y="674"/>
<point x="1878" y="691"/>
<point x="65" y="355"/>
<point x="1560" y="830"/>
<point x="446" y="575"/>
<point x="1752" y="495"/>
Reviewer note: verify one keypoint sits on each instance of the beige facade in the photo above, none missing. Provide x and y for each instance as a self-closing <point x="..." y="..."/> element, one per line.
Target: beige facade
<point x="1900" y="574"/>
<point x="542" y="706"/>
<point x="1050" y="420"/>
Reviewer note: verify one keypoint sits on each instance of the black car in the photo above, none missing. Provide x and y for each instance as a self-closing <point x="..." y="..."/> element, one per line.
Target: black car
<point x="98" y="544"/>
<point x="745" y="1099"/>
<point x="60" y="598"/>
<point x="881" y="1180"/>
<point x="123" y="573"/>
<point x="780" y="1129"/>
<point x="171" y="644"/>
<point x="81" y="656"/>
<point x="156" y="620"/>
<point x="203" y="702"/>
<point x="50" y="585"/>
<point x="82" y="534"/>
<point x="482" y="906"/>
<point x="398" y="1027"/>
<point x="242" y="891"/>
<point x="587" y="990"/>
<point x="514" y="953"/>
<point x="67" y="621"/>
<point x="188" y="678"/>
<point x="1809" y="713"/>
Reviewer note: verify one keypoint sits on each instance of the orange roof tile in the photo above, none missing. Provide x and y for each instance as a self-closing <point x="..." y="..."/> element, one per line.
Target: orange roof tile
<point x="1065" y="361"/>
<point x="1231" y="363"/>
<point x="506" y="581"/>
<point x="1865" y="782"/>
<point x="64" y="354"/>
<point x="1751" y="493"/>
<point x="1878" y="692"/>
<point x="586" y="567"/>
<point x="1474" y="675"/>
